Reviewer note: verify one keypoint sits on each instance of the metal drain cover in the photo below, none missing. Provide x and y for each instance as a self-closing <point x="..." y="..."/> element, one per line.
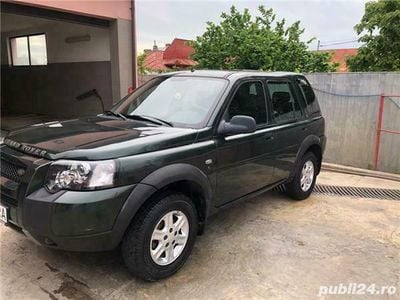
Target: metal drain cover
<point x="362" y="192"/>
<point x="352" y="191"/>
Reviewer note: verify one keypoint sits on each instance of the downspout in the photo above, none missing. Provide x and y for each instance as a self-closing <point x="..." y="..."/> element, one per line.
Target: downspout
<point x="134" y="49"/>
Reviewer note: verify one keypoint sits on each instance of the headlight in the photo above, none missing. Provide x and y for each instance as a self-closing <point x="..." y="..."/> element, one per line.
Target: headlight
<point x="80" y="175"/>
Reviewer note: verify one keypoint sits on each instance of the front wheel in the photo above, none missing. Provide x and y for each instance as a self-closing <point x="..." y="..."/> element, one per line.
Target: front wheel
<point x="161" y="238"/>
<point x="303" y="182"/>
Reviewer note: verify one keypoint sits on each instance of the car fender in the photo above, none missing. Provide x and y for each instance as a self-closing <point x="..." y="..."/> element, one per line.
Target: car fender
<point x="155" y="182"/>
<point x="179" y="172"/>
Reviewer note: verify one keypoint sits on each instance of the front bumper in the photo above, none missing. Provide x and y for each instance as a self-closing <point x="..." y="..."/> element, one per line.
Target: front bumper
<point x="71" y="220"/>
<point x="74" y="220"/>
<point x="68" y="220"/>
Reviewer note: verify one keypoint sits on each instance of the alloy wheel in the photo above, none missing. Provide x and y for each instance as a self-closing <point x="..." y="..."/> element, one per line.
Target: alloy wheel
<point x="307" y="175"/>
<point x="169" y="237"/>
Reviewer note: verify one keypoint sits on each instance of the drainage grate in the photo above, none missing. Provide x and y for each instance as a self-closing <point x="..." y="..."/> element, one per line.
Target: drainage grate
<point x="362" y="192"/>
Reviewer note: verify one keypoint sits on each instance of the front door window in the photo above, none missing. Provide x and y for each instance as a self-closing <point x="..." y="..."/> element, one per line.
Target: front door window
<point x="249" y="100"/>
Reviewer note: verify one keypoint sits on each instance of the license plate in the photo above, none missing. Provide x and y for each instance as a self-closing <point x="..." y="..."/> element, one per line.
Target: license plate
<point x="3" y="214"/>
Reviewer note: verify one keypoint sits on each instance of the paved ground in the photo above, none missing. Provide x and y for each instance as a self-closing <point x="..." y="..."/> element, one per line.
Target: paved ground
<point x="268" y="247"/>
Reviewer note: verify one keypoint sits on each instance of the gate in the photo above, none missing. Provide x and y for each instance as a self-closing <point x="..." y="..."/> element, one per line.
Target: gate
<point x="379" y="129"/>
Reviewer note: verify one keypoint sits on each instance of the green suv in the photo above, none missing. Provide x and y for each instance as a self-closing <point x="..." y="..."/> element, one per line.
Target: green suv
<point x="147" y="175"/>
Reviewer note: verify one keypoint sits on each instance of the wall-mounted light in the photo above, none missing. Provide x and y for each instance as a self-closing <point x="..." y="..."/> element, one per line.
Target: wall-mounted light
<point x="77" y="39"/>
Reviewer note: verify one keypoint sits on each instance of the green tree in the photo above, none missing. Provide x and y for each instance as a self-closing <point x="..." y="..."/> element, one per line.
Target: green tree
<point x="240" y="41"/>
<point x="140" y="64"/>
<point x="379" y="30"/>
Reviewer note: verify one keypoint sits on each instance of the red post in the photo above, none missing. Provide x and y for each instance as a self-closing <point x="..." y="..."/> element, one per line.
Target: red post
<point x="378" y="130"/>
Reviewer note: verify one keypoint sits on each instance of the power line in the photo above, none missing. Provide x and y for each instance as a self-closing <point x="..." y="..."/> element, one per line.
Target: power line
<point x="333" y="43"/>
<point x="344" y="95"/>
<point x="339" y="94"/>
<point x="339" y="43"/>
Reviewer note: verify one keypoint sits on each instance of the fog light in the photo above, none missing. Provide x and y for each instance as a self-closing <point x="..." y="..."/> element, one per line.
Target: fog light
<point x="49" y="242"/>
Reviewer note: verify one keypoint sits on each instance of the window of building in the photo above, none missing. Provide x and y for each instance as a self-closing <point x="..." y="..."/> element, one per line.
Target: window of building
<point x="285" y="107"/>
<point x="249" y="100"/>
<point x="29" y="50"/>
<point x="312" y="106"/>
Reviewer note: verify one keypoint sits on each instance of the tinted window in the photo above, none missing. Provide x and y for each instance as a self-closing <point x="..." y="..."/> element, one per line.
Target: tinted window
<point x="312" y="106"/>
<point x="285" y="106"/>
<point x="249" y="101"/>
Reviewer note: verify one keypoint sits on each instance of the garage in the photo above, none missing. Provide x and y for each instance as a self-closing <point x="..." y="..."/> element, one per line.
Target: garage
<point x="63" y="61"/>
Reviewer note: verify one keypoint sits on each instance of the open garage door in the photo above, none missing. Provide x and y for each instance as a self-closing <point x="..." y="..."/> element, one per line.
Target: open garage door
<point x="48" y="59"/>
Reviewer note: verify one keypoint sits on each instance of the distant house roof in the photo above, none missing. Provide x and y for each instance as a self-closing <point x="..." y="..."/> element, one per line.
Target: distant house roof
<point x="177" y="54"/>
<point x="340" y="55"/>
<point x="154" y="60"/>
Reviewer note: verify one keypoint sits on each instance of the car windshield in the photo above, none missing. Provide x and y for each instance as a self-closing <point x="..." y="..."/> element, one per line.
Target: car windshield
<point x="182" y="101"/>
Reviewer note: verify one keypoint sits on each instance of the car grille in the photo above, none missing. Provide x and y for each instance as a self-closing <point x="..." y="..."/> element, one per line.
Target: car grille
<point x="13" y="183"/>
<point x="8" y="200"/>
<point x="12" y="171"/>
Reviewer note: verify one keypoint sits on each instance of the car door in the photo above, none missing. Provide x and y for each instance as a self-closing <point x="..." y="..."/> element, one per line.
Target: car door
<point x="287" y="117"/>
<point x="309" y="104"/>
<point x="244" y="161"/>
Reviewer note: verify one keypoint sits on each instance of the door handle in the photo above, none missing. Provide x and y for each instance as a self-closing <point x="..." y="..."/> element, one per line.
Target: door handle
<point x="304" y="128"/>
<point x="269" y="137"/>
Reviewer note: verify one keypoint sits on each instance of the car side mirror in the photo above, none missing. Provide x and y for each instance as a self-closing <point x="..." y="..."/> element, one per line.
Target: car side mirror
<point x="238" y="124"/>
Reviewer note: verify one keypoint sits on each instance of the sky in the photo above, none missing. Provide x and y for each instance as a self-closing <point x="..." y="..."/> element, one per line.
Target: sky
<point x="329" y="21"/>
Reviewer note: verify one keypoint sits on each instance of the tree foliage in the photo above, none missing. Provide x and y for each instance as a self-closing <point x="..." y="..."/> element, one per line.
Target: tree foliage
<point x="379" y="30"/>
<point x="140" y="64"/>
<point x="240" y="41"/>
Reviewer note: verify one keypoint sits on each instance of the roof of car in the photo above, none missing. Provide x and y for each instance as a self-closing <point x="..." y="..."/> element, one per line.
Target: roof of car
<point x="231" y="73"/>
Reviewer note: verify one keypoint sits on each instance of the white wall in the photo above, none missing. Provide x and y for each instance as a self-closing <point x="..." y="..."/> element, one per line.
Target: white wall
<point x="97" y="49"/>
<point x="351" y="117"/>
<point x="121" y="58"/>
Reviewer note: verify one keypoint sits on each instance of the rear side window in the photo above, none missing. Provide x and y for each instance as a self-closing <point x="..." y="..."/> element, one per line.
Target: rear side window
<point x="249" y="100"/>
<point x="312" y="107"/>
<point x="285" y="106"/>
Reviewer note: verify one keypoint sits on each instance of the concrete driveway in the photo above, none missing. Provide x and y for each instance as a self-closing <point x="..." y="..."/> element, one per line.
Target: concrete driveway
<point x="268" y="247"/>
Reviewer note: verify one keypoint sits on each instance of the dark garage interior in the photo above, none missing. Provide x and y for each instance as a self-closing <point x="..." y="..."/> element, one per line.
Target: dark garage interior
<point x="49" y="58"/>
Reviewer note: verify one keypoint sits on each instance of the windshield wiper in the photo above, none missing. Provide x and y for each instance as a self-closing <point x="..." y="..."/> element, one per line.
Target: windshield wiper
<point x="119" y="115"/>
<point x="150" y="119"/>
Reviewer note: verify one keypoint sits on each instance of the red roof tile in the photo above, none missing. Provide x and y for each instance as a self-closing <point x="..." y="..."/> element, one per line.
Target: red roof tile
<point x="179" y="48"/>
<point x="340" y="56"/>
<point x="154" y="60"/>
<point x="175" y="55"/>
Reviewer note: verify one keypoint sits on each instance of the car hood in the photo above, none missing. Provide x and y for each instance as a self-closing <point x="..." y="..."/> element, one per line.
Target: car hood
<point x="95" y="138"/>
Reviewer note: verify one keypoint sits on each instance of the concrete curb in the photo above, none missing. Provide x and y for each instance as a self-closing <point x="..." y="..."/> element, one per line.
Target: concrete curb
<point x="358" y="171"/>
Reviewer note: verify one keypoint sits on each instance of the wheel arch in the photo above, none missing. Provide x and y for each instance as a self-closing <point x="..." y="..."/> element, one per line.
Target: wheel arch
<point x="181" y="177"/>
<point x="312" y="143"/>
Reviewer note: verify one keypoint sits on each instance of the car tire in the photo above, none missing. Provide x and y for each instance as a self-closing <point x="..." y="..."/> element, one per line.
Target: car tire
<point x="169" y="223"/>
<point x="304" y="178"/>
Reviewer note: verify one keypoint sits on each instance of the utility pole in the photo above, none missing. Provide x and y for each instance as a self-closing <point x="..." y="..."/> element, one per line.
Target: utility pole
<point x="318" y="45"/>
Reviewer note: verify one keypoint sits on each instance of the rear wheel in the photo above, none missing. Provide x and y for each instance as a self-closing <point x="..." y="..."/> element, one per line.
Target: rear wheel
<point x="161" y="238"/>
<point x="303" y="182"/>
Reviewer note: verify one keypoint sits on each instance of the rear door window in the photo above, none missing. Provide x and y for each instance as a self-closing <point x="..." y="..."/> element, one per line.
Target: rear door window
<point x="285" y="107"/>
<point x="312" y="107"/>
